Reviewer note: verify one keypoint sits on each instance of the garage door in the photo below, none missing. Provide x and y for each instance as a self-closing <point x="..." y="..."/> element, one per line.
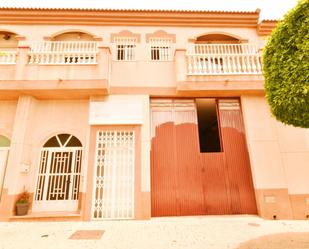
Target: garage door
<point x="186" y="179"/>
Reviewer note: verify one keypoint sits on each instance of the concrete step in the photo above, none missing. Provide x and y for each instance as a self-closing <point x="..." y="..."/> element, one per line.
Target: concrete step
<point x="48" y="216"/>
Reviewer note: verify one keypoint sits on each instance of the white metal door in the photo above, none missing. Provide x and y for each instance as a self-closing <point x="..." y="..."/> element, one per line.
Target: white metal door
<point x="3" y="161"/>
<point x="113" y="193"/>
<point x="58" y="181"/>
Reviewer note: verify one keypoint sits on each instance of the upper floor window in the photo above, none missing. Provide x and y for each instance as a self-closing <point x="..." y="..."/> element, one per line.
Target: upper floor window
<point x="125" y="48"/>
<point x="160" y="49"/>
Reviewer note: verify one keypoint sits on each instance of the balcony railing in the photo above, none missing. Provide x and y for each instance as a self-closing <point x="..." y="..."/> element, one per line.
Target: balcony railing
<point x="7" y="57"/>
<point x="219" y="59"/>
<point x="63" y="52"/>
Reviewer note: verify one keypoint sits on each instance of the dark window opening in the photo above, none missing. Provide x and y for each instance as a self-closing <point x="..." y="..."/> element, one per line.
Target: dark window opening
<point x="77" y="59"/>
<point x="74" y="142"/>
<point x="155" y="53"/>
<point x="208" y="126"/>
<point x="52" y="142"/>
<point x="63" y="138"/>
<point x="120" y="52"/>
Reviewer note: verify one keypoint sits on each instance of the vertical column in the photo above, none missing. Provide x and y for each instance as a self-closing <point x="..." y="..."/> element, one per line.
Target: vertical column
<point x="180" y="64"/>
<point x="142" y="162"/>
<point x="104" y="63"/>
<point x="22" y="59"/>
<point x="19" y="158"/>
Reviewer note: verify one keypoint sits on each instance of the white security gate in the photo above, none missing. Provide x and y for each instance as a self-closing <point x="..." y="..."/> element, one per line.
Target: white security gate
<point x="58" y="178"/>
<point x="113" y="193"/>
<point x="4" y="152"/>
<point x="3" y="161"/>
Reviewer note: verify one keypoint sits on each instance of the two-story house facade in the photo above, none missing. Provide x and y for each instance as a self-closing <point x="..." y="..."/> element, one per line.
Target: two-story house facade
<point x="133" y="114"/>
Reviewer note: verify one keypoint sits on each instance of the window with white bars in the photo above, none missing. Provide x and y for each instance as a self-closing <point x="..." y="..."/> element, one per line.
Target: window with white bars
<point x="113" y="193"/>
<point x="125" y="48"/>
<point x="160" y="49"/>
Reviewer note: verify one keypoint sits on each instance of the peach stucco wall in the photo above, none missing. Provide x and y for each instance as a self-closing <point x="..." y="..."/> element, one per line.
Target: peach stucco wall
<point x="35" y="122"/>
<point x="279" y="156"/>
<point x="7" y="115"/>
<point x="31" y="122"/>
<point x="279" y="153"/>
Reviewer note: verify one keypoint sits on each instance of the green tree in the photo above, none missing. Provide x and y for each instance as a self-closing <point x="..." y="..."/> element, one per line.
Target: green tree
<point x="286" y="67"/>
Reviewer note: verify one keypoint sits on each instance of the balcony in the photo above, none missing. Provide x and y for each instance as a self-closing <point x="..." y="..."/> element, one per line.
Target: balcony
<point x="64" y="53"/>
<point x="223" y="59"/>
<point x="56" y="69"/>
<point x="229" y="69"/>
<point x="7" y="57"/>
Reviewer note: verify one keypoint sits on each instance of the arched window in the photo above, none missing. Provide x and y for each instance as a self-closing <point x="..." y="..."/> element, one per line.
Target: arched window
<point x="62" y="140"/>
<point x="73" y="36"/>
<point x="58" y="179"/>
<point x="4" y="152"/>
<point x="8" y="47"/>
<point x="4" y="141"/>
<point x="217" y="38"/>
<point x="8" y="40"/>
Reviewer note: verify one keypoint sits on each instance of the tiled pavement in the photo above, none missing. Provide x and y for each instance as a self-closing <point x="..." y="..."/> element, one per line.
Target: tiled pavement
<point x="203" y="232"/>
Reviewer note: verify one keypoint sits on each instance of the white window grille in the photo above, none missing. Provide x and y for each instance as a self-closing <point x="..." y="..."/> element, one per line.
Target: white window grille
<point x="125" y="48"/>
<point x="59" y="175"/>
<point x="63" y="52"/>
<point x="113" y="193"/>
<point x="160" y="49"/>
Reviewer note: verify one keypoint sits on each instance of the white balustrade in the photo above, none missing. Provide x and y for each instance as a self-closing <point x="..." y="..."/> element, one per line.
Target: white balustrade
<point x="7" y="57"/>
<point x="63" y="52"/>
<point x="218" y="59"/>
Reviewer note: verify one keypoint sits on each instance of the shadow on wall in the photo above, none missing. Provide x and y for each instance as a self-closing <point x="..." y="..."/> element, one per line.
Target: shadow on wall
<point x="280" y="240"/>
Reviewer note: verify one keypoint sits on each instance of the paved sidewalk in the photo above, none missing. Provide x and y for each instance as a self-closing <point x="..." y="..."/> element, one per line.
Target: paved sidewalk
<point x="203" y="232"/>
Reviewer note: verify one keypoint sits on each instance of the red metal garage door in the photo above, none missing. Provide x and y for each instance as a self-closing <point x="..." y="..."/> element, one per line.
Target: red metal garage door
<point x="187" y="182"/>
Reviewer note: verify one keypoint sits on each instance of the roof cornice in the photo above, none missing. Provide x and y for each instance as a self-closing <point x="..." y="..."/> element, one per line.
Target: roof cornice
<point x="119" y="17"/>
<point x="265" y="27"/>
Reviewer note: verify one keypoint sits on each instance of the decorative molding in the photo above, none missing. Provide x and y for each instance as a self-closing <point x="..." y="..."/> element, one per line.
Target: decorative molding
<point x="126" y="34"/>
<point x="97" y="38"/>
<point x="20" y="38"/>
<point x="47" y="38"/>
<point x="161" y="34"/>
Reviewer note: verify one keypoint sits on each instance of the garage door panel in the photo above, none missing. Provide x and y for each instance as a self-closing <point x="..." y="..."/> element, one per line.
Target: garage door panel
<point x="185" y="181"/>
<point x="164" y="194"/>
<point x="190" y="180"/>
<point x="237" y="160"/>
<point x="214" y="183"/>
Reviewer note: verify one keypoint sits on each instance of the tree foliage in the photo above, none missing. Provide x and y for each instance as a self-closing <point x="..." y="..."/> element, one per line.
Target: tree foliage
<point x="286" y="67"/>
